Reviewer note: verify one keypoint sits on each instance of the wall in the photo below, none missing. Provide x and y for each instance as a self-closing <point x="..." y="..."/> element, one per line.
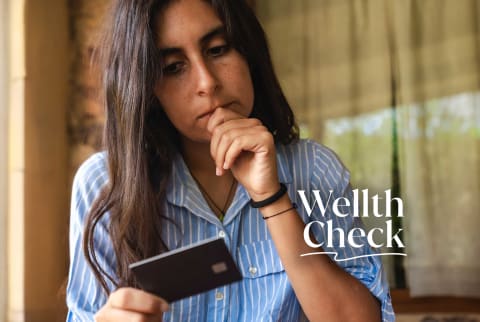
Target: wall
<point x="15" y="176"/>
<point x="86" y="115"/>
<point x="46" y="191"/>
<point x="3" y="154"/>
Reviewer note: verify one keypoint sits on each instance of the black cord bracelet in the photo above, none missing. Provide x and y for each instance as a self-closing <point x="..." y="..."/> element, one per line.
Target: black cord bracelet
<point x="269" y="200"/>
<point x="294" y="206"/>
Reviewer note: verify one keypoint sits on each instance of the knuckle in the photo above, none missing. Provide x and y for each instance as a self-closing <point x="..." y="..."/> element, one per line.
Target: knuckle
<point x="256" y="121"/>
<point x="266" y="136"/>
<point x="142" y="318"/>
<point x="216" y="131"/>
<point x="261" y="128"/>
<point x="137" y="318"/>
<point x="228" y="136"/>
<point x="236" y="143"/>
<point x="120" y="297"/>
<point x="268" y="139"/>
<point x="151" y="305"/>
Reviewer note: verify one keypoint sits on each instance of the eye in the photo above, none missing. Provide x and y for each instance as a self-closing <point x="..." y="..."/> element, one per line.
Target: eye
<point x="218" y="50"/>
<point x="174" y="68"/>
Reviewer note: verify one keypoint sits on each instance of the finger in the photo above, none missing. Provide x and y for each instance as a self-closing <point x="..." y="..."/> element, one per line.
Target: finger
<point x="111" y="314"/>
<point x="224" y="134"/>
<point x="232" y="154"/>
<point x="236" y="123"/>
<point x="222" y="115"/>
<point x="137" y="300"/>
<point x="255" y="141"/>
<point x="221" y="131"/>
<point x="225" y="140"/>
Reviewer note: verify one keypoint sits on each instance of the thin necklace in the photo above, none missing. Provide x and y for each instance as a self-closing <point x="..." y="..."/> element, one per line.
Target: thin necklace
<point x="210" y="201"/>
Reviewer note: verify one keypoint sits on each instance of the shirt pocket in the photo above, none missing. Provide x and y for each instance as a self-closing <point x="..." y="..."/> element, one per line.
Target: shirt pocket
<point x="259" y="259"/>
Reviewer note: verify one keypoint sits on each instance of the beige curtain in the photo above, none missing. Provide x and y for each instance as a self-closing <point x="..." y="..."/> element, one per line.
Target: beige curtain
<point x="345" y="63"/>
<point x="437" y="57"/>
<point x="332" y="56"/>
<point x="436" y="48"/>
<point x="333" y="61"/>
<point x="440" y="163"/>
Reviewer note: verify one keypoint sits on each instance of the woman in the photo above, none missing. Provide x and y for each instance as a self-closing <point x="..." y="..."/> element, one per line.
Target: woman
<point x="197" y="125"/>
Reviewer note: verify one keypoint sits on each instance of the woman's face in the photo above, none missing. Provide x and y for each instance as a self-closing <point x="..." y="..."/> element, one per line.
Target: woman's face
<point x="201" y="71"/>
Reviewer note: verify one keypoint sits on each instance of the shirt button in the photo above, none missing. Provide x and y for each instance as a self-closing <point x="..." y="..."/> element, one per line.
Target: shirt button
<point x="252" y="270"/>
<point x="219" y="296"/>
<point x="221" y="234"/>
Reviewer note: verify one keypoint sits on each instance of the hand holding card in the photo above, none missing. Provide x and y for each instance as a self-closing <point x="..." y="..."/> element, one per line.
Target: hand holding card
<point x="188" y="270"/>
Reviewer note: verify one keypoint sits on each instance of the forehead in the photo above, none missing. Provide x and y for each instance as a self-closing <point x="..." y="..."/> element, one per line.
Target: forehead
<point x="183" y="21"/>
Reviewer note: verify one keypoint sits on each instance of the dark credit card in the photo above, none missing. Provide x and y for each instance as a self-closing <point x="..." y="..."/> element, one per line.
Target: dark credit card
<point x="188" y="270"/>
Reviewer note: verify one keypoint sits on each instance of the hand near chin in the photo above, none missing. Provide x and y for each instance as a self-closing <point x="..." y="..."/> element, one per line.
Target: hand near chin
<point x="247" y="148"/>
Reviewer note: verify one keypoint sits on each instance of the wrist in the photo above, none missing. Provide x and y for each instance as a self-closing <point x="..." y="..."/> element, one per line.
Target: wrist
<point x="267" y="193"/>
<point x="281" y="204"/>
<point x="262" y="201"/>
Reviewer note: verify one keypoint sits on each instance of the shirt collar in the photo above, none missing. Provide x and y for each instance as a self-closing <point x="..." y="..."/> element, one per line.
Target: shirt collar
<point x="183" y="191"/>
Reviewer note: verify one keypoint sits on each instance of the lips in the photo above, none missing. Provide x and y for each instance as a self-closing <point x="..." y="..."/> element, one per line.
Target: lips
<point x="208" y="114"/>
<point x="210" y="111"/>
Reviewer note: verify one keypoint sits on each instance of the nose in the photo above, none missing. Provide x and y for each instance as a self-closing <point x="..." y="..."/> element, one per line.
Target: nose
<point x="207" y="82"/>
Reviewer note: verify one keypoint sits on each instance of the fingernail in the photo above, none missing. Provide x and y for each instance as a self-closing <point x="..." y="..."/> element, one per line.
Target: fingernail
<point x="225" y="166"/>
<point x="218" y="171"/>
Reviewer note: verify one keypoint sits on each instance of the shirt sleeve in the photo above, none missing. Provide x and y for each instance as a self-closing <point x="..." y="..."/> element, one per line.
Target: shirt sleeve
<point x="85" y="295"/>
<point x="332" y="180"/>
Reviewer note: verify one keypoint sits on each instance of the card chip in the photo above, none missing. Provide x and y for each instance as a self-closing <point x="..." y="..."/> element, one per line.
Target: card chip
<point x="219" y="267"/>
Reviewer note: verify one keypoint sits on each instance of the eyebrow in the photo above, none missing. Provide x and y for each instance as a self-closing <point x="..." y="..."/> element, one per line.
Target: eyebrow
<point x="217" y="31"/>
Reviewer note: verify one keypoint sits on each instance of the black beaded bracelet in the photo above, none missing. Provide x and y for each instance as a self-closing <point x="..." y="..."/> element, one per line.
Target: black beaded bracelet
<point x="269" y="200"/>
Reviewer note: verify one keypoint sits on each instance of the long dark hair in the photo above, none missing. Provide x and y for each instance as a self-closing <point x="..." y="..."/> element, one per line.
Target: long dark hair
<point x="140" y="140"/>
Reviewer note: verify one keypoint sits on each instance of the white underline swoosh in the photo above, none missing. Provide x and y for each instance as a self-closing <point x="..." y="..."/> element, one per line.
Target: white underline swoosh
<point x="354" y="257"/>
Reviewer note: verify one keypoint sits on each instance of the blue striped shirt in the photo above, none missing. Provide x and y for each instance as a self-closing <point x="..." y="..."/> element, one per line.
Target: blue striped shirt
<point x="265" y="293"/>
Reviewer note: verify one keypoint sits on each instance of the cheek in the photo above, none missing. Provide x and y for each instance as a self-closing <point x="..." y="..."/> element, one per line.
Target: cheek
<point x="164" y="94"/>
<point x="171" y="102"/>
<point x="248" y="90"/>
<point x="244" y="85"/>
<point x="171" y="97"/>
